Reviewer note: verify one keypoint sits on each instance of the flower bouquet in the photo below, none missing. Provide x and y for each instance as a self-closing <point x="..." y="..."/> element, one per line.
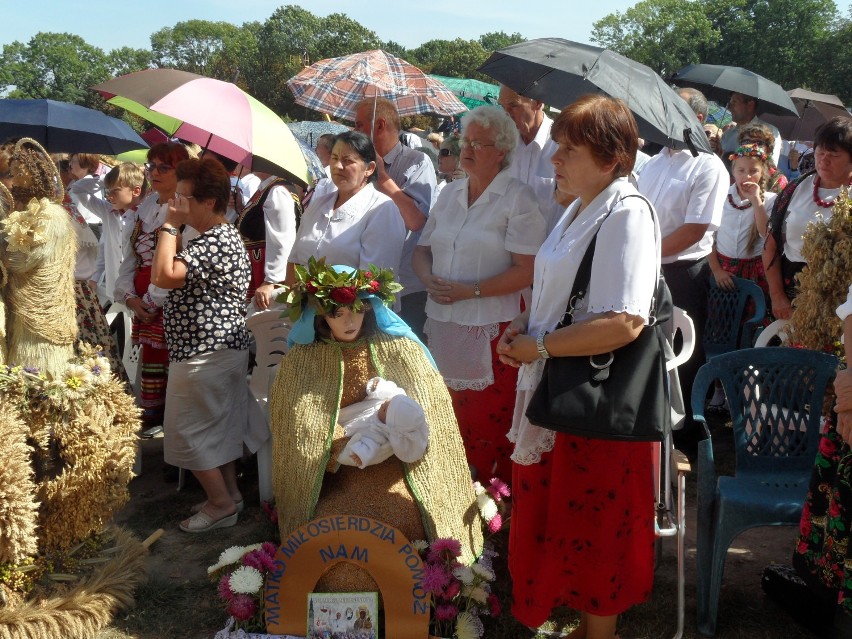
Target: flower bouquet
<point x="462" y="594"/>
<point x="241" y="574"/>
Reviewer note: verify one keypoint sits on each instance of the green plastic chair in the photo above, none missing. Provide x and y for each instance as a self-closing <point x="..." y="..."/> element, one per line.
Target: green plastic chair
<point x="775" y="397"/>
<point x="727" y="327"/>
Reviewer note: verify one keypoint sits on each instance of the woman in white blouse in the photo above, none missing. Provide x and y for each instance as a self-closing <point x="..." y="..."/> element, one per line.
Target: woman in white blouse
<point x="475" y="256"/>
<point x="811" y="195"/>
<point x="582" y="515"/>
<point x="354" y="225"/>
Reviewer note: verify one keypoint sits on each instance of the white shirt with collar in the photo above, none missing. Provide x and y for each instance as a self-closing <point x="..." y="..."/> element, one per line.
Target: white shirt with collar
<point x="279" y="219"/>
<point x="413" y="172"/>
<point x="734" y="232"/>
<point x="473" y="243"/>
<point x="730" y="143"/>
<point x="367" y="229"/>
<point x="531" y="165"/>
<point x="686" y="190"/>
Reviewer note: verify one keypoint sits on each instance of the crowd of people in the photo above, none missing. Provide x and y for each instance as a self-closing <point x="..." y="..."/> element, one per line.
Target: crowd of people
<point x="485" y="241"/>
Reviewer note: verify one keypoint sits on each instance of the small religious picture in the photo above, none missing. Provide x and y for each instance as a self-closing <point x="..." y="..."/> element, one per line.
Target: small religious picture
<point x="343" y="615"/>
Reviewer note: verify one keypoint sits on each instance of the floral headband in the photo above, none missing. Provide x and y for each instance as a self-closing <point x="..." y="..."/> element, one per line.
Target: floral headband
<point x="325" y="288"/>
<point x="750" y="151"/>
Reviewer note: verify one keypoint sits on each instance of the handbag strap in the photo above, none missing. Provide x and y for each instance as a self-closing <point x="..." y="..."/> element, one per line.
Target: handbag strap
<point x="584" y="271"/>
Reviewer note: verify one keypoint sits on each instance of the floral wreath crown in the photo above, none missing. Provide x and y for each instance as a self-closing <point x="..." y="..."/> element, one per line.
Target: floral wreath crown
<point x="323" y="288"/>
<point x="750" y="151"/>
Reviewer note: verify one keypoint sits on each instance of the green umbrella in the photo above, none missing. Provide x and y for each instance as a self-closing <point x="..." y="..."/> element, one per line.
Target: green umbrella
<point x="472" y="93"/>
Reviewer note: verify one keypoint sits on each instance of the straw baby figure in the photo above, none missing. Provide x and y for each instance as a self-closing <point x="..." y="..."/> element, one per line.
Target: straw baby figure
<point x="39" y="254"/>
<point x="737" y="248"/>
<point x="386" y="423"/>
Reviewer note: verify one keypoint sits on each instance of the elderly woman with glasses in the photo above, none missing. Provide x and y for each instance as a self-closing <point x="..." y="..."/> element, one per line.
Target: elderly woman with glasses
<point x="475" y="256"/>
<point x="133" y="285"/>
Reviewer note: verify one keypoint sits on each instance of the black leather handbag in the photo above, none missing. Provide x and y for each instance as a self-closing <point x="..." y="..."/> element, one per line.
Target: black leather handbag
<point x="621" y="395"/>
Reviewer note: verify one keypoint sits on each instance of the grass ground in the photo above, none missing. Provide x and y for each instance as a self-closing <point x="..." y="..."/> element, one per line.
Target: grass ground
<point x="178" y="601"/>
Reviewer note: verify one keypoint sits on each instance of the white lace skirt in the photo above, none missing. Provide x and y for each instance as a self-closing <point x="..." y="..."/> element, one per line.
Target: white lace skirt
<point x="462" y="353"/>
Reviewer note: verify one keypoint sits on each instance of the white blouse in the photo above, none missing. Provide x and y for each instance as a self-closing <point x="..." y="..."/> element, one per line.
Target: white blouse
<point x="473" y="243"/>
<point x="734" y="231"/>
<point x="801" y="211"/>
<point x="367" y="229"/>
<point x="623" y="279"/>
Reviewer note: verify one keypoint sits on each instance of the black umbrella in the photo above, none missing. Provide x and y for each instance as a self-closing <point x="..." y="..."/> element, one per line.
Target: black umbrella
<point x="61" y="127"/>
<point x="815" y="109"/>
<point x="558" y="72"/>
<point x="718" y="82"/>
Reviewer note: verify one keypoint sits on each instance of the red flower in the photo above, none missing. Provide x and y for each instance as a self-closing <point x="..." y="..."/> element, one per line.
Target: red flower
<point x="344" y="295"/>
<point x="311" y="287"/>
<point x="368" y="274"/>
<point x="375" y="286"/>
<point x="494" y="605"/>
<point x="242" y="607"/>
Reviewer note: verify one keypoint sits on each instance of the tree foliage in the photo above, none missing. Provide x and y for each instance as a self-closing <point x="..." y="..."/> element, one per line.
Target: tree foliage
<point x="194" y="45"/>
<point x="663" y="34"/>
<point x="58" y="66"/>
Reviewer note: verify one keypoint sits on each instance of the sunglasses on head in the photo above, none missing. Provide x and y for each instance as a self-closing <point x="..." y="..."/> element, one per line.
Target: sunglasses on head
<point x="444" y="153"/>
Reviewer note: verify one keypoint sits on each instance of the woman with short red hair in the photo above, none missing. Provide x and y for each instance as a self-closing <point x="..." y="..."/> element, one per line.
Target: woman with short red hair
<point x="582" y="521"/>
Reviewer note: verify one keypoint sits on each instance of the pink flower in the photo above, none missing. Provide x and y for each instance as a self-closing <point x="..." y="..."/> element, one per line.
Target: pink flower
<point x="446" y="612"/>
<point x="224" y="588"/>
<point x="375" y="286"/>
<point x="494" y="605"/>
<point x="242" y="607"/>
<point x="501" y="487"/>
<point x="495" y="524"/>
<point x="435" y="578"/>
<point x="444" y="548"/>
<point x="259" y="560"/>
<point x="269" y="549"/>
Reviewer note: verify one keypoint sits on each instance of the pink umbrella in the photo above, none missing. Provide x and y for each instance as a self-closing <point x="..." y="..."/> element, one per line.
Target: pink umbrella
<point x="217" y="115"/>
<point x="336" y="85"/>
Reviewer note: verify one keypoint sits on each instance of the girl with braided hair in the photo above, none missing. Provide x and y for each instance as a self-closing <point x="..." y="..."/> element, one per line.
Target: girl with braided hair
<point x="39" y="251"/>
<point x="738" y="242"/>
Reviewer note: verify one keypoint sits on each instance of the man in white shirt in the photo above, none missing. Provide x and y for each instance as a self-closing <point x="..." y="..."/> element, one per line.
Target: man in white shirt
<point x="407" y="177"/>
<point x="531" y="161"/>
<point x="688" y="193"/>
<point x="743" y="110"/>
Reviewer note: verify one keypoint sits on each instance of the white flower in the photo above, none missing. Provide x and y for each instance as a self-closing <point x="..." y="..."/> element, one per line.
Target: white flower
<point x="246" y="580"/>
<point x="478" y="595"/>
<point x="477" y="488"/>
<point x="229" y="556"/>
<point x="468" y="626"/>
<point x="483" y="572"/>
<point x="487" y="506"/>
<point x="464" y="574"/>
<point x="420" y="545"/>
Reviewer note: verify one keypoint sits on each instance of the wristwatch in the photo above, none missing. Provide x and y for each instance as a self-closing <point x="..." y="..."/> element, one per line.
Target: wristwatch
<point x="476" y="292"/>
<point x="539" y="343"/>
<point x="170" y="230"/>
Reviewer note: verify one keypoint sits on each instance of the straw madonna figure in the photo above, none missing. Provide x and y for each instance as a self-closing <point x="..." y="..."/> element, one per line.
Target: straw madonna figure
<point x="67" y="426"/>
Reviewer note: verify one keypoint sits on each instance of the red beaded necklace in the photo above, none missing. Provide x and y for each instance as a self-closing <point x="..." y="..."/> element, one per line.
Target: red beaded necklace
<point x="739" y="207"/>
<point x="817" y="199"/>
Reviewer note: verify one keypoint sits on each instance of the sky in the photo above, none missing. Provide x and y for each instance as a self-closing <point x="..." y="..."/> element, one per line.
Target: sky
<point x="110" y="25"/>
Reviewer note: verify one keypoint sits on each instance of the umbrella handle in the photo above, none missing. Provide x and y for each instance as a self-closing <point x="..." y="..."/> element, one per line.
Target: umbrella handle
<point x="687" y="138"/>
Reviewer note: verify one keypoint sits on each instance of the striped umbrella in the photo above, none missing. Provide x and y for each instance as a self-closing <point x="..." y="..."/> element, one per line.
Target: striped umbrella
<point x="217" y="115"/>
<point x="336" y="85"/>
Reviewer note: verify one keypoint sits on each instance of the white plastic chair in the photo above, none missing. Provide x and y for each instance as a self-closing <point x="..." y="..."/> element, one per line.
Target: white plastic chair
<point x="778" y="327"/>
<point x="671" y="466"/>
<point x="129" y="357"/>
<point x="270" y="332"/>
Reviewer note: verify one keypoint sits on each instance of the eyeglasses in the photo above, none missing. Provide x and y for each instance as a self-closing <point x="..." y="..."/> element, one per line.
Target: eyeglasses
<point x="181" y="196"/>
<point x="444" y="153"/>
<point x="476" y="145"/>
<point x="160" y="168"/>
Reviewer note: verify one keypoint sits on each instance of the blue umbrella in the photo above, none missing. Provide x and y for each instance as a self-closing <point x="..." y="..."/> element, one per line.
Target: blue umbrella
<point x="61" y="127"/>
<point x="309" y="132"/>
<point x="315" y="167"/>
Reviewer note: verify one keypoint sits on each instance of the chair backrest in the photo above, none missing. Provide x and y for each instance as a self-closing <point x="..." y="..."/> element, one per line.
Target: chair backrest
<point x="777" y="328"/>
<point x="727" y="328"/>
<point x="775" y="397"/>
<point x="682" y="322"/>
<point x="270" y="332"/>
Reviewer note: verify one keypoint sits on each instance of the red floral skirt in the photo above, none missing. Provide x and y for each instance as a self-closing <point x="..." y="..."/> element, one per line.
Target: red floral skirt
<point x="582" y="530"/>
